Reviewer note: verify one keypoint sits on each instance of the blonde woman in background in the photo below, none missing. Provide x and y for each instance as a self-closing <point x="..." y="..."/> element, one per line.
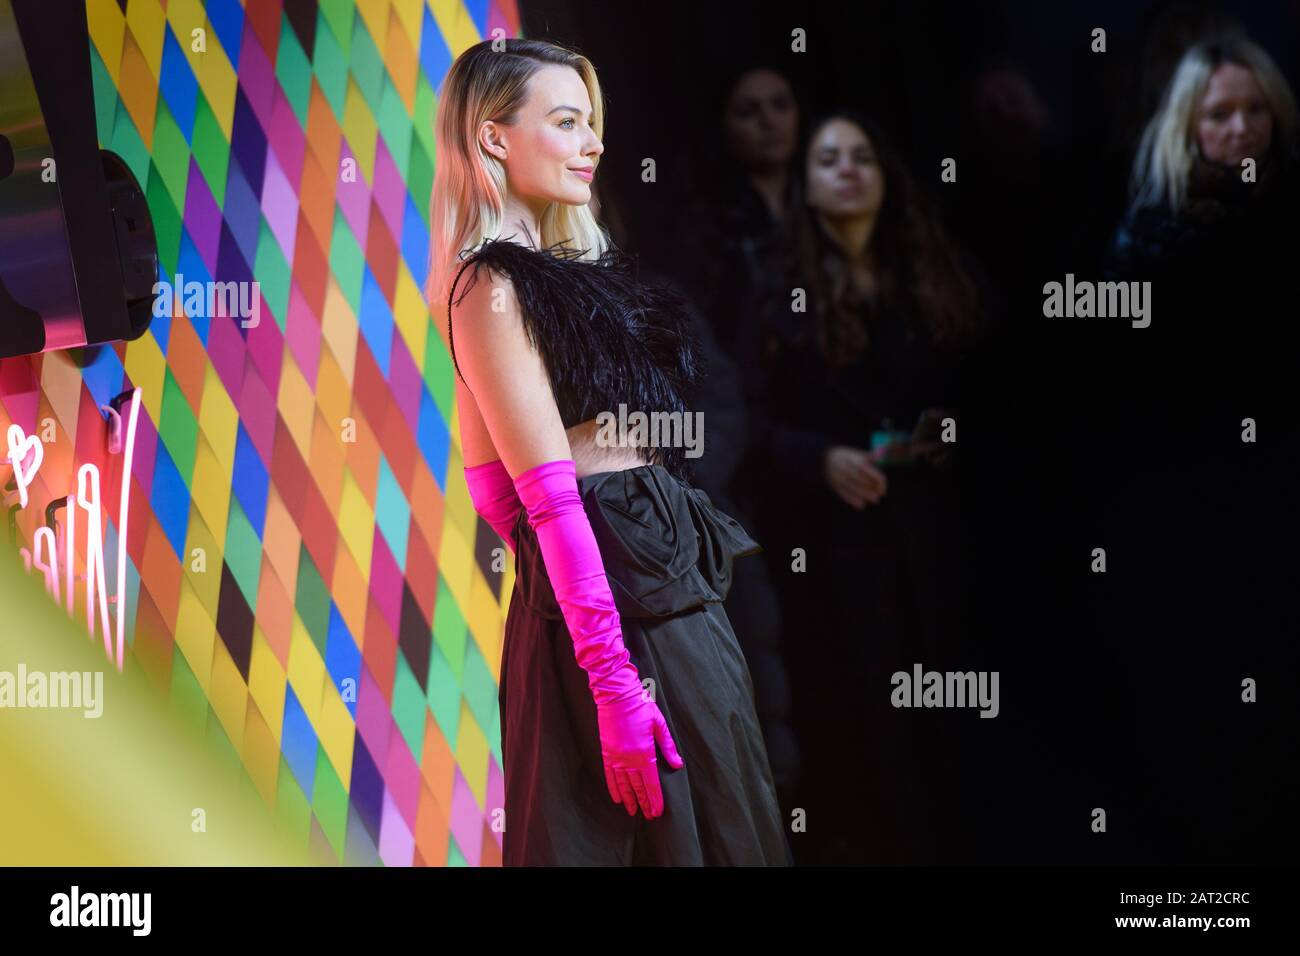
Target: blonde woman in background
<point x="1215" y="167"/>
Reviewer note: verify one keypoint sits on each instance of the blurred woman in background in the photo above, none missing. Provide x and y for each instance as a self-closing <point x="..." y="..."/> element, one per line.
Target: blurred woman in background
<point x="846" y="469"/>
<point x="1215" y="169"/>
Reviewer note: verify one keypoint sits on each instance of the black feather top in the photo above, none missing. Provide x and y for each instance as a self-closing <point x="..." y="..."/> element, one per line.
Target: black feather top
<point x="605" y="336"/>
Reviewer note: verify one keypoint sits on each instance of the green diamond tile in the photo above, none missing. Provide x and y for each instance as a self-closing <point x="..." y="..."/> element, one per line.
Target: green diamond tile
<point x="329" y="800"/>
<point x="126" y="142"/>
<point x="347" y="261"/>
<point x="419" y="178"/>
<point x="293" y="70"/>
<point x="444" y="699"/>
<point x="367" y="65"/>
<point x="211" y="149"/>
<point x="395" y="126"/>
<point x="105" y="97"/>
<point x="409" y="706"/>
<point x="312" y="600"/>
<point x="330" y="65"/>
<point x="166" y="221"/>
<point x="178" y="429"/>
<point x="243" y="552"/>
<point x="449" y="631"/>
<point x="171" y="154"/>
<point x="272" y="270"/>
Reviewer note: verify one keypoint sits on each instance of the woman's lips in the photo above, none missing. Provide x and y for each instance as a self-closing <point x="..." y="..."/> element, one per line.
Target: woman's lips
<point x="585" y="174"/>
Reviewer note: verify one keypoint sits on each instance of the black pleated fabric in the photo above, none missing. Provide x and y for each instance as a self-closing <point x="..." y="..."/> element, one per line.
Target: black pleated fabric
<point x="668" y="554"/>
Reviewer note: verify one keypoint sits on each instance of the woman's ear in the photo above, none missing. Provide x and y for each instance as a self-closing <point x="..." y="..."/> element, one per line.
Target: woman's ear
<point x="489" y="138"/>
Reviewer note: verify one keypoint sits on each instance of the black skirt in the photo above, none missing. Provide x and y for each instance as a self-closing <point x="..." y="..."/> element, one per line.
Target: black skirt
<point x="668" y="554"/>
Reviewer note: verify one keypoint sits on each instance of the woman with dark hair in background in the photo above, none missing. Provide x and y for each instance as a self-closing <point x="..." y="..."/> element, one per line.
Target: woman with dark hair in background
<point x="745" y="201"/>
<point x="848" y="398"/>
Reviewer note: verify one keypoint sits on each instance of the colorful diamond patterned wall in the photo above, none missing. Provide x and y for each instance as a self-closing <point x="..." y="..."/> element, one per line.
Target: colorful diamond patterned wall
<point x="304" y="583"/>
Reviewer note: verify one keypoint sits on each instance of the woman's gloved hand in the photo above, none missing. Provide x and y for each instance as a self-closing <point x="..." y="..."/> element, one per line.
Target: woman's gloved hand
<point x="631" y="725"/>
<point x="629" y="721"/>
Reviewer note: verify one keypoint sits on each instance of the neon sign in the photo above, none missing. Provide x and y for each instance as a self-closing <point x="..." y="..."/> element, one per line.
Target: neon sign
<point x="26" y="454"/>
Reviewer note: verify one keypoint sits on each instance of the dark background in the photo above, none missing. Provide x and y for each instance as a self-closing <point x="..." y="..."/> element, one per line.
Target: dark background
<point x="1120" y="690"/>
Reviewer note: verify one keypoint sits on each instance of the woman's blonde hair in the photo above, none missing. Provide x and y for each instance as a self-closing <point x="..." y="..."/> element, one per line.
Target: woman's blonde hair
<point x="489" y="81"/>
<point x="1168" y="148"/>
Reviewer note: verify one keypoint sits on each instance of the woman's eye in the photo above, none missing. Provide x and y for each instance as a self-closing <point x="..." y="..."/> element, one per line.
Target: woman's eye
<point x="569" y="120"/>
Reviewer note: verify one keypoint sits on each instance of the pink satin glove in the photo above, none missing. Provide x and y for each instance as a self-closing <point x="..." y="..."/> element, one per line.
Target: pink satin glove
<point x="492" y="492"/>
<point x="629" y="721"/>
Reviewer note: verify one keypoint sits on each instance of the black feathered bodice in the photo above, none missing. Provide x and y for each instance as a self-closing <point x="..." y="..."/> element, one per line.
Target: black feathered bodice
<point x="606" y="337"/>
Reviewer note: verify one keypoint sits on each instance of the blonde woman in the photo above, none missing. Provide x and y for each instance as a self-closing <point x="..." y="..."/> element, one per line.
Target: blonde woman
<point x="1215" y="168"/>
<point x="617" y="649"/>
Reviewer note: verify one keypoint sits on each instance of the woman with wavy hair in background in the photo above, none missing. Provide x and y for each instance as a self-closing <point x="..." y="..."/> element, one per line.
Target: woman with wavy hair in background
<point x="851" y="370"/>
<point x="617" y="646"/>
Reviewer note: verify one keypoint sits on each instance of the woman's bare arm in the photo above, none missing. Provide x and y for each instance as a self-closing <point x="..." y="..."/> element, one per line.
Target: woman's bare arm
<point x="505" y="404"/>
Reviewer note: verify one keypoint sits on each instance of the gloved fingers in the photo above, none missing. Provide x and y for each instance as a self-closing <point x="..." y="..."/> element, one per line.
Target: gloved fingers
<point x="625" y="788"/>
<point x="611" y="783"/>
<point x="664" y="738"/>
<point x="654" y="792"/>
<point x="644" y="797"/>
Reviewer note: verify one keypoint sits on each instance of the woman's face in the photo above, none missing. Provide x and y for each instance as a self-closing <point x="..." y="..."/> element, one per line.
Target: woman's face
<point x="845" y="179"/>
<point x="551" y="143"/>
<point x="1233" y="121"/>
<point x="761" y="121"/>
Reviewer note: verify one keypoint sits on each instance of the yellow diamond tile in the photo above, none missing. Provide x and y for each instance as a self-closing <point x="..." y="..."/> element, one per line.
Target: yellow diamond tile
<point x="472" y="751"/>
<point x="411" y="313"/>
<point x="146" y="367"/>
<point x="266" y="681"/>
<point x="228" y="693"/>
<point x="107" y="29"/>
<point x="410" y="14"/>
<point x="333" y="392"/>
<point x="210" y="487"/>
<point x="306" y="671"/>
<point x="360" y="129"/>
<point x="186" y="16"/>
<point x="374" y="14"/>
<point x="458" y="29"/>
<point x="146" y="21"/>
<point x="486" y="619"/>
<point x="356" y="520"/>
<point x="138" y="89"/>
<point x="336" y="731"/>
<point x="196" y="634"/>
<point x="218" y="81"/>
<point x="296" y="404"/>
<point x="219" y="419"/>
<point x="456" y="561"/>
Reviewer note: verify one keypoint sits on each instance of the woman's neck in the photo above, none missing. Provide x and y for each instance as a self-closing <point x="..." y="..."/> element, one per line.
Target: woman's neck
<point x="853" y="237"/>
<point x="770" y="184"/>
<point x="522" y="221"/>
